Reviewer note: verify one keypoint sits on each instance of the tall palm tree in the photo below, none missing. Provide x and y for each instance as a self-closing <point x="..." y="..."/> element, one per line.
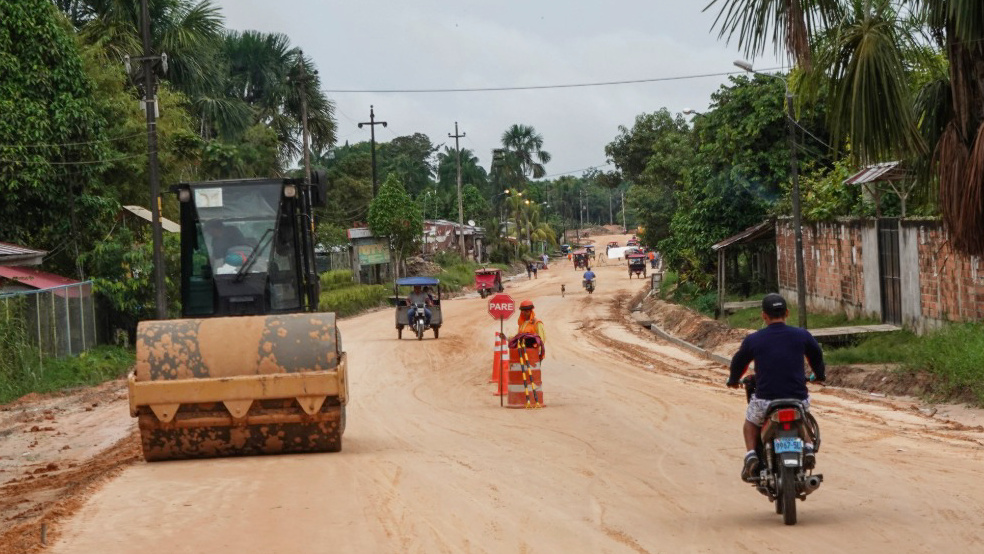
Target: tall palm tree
<point x="526" y="146"/>
<point x="188" y="31"/>
<point x="956" y="27"/>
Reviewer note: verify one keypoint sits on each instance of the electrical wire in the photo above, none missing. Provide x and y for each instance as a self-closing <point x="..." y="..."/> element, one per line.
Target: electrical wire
<point x="59" y="145"/>
<point x="599" y="166"/>
<point x="544" y="87"/>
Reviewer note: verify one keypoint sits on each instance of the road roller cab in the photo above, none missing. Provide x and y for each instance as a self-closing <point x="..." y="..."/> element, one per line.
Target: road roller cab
<point x="252" y="368"/>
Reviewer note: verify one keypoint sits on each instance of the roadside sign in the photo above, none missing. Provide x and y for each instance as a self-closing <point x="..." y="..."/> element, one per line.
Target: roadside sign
<point x="501" y="306"/>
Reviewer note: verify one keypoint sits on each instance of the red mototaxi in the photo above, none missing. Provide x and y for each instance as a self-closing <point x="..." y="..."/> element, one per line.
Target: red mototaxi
<point x="488" y="280"/>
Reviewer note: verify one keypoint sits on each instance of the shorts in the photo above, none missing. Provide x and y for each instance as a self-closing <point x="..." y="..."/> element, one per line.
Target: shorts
<point x="755" y="413"/>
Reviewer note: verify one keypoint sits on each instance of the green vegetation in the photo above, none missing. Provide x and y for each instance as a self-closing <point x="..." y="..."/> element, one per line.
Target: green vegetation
<point x="680" y="289"/>
<point x="751" y="318"/>
<point x="883" y="348"/>
<point x="953" y="354"/>
<point x="457" y="273"/>
<point x="342" y="295"/>
<point x="25" y="373"/>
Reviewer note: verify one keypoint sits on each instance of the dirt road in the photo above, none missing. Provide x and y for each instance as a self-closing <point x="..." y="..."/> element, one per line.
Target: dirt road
<point x="638" y="450"/>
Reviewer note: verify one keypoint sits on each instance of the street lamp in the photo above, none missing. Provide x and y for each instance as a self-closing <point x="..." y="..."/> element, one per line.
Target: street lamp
<point x="797" y="214"/>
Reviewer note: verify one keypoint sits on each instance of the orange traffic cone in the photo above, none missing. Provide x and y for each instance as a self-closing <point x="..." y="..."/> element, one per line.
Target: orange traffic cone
<point x="500" y="367"/>
<point x="496" y="359"/>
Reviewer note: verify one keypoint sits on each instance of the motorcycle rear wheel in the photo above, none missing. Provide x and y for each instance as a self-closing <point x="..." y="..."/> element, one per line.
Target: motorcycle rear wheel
<point x="787" y="492"/>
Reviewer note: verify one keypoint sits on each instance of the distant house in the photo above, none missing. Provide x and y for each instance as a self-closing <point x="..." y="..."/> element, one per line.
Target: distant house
<point x="12" y="254"/>
<point x="441" y="235"/>
<point x="19" y="279"/>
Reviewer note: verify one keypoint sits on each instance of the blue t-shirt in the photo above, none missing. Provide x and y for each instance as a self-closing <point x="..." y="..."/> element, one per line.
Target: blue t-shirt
<point x="778" y="352"/>
<point x="588" y="275"/>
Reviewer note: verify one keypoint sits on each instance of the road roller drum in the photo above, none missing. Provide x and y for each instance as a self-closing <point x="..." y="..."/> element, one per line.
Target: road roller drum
<point x="239" y="386"/>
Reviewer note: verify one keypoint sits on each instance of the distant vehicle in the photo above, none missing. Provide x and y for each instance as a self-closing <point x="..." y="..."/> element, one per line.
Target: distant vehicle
<point x="637" y="265"/>
<point x="565" y="248"/>
<point x="402" y="309"/>
<point x="488" y="280"/>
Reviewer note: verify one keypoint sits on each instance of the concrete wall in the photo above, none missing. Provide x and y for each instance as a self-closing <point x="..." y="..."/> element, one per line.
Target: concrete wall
<point x="938" y="285"/>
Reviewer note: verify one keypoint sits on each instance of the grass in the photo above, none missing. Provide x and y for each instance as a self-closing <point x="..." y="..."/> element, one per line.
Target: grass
<point x="955" y="354"/>
<point x="342" y="295"/>
<point x="457" y="273"/>
<point x="89" y="368"/>
<point x="883" y="348"/>
<point x="751" y="318"/>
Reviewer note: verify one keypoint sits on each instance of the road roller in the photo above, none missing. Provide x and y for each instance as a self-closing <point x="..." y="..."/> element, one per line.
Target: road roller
<point x="252" y="367"/>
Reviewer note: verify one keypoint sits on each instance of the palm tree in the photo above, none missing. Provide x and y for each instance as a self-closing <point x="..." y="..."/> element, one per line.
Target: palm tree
<point x="526" y="146"/>
<point x="471" y="172"/>
<point x="865" y="61"/>
<point x="187" y="31"/>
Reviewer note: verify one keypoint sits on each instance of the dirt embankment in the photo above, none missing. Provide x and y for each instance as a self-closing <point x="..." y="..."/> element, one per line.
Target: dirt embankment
<point x="718" y="338"/>
<point x="54" y="450"/>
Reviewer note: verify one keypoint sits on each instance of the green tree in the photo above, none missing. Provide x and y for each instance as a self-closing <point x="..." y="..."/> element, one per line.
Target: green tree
<point x="409" y="159"/>
<point x="653" y="155"/>
<point x="525" y="146"/>
<point x="865" y="68"/>
<point x="471" y="172"/>
<point x="392" y="214"/>
<point x="52" y="141"/>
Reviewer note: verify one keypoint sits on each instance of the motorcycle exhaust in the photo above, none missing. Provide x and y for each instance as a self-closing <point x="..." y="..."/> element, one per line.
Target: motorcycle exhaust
<point x="812" y="483"/>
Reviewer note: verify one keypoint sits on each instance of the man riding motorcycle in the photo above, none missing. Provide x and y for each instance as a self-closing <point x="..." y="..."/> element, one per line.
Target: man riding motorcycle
<point x="778" y="351"/>
<point x="589" y="277"/>
<point x="419" y="297"/>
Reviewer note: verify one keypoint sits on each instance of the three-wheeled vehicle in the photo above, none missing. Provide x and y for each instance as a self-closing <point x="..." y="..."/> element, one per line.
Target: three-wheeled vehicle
<point x="488" y="280"/>
<point x="590" y="249"/>
<point x="565" y="248"/>
<point x="417" y="320"/>
<point x="580" y="259"/>
<point x="637" y="265"/>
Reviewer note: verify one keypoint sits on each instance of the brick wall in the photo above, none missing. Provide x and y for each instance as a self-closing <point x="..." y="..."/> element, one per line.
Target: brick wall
<point x="950" y="285"/>
<point x="832" y="257"/>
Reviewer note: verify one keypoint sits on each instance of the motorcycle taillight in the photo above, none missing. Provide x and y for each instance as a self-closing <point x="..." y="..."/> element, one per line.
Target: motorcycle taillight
<point x="787" y="414"/>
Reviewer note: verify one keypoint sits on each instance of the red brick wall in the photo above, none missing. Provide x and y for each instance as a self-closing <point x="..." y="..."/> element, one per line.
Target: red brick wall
<point x="832" y="257"/>
<point x="951" y="285"/>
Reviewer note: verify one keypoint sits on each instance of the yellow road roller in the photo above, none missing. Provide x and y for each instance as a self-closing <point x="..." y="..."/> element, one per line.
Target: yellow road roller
<point x="252" y="367"/>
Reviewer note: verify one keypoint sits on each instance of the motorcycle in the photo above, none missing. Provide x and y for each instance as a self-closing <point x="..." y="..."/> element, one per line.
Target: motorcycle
<point x="782" y="476"/>
<point x="418" y="320"/>
<point x="589" y="285"/>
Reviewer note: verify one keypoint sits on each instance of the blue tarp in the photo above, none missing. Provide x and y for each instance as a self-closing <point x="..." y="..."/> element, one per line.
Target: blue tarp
<point x="417" y="281"/>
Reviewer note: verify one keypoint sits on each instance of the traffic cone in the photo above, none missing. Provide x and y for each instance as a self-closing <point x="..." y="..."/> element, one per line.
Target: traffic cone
<point x="496" y="359"/>
<point x="500" y="370"/>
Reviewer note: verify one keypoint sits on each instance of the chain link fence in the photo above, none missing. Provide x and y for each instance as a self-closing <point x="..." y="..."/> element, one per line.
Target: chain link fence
<point x="60" y="321"/>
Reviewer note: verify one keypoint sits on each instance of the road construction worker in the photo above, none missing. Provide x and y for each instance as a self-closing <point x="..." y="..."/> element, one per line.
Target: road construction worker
<point x="528" y="323"/>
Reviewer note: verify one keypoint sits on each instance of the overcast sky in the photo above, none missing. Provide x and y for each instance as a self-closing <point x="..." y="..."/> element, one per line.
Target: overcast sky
<point x="376" y="45"/>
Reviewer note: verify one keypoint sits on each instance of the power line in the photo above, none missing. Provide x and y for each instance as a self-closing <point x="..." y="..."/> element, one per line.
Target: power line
<point x="599" y="166"/>
<point x="542" y="87"/>
<point x="59" y="145"/>
<point x="83" y="162"/>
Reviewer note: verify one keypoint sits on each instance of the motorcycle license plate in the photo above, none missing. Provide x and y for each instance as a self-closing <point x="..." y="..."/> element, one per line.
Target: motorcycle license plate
<point x="787" y="444"/>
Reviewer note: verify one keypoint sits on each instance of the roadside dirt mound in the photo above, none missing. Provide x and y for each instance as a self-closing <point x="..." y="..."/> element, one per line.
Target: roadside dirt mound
<point x="55" y="450"/>
<point x="686" y="324"/>
<point x="718" y="338"/>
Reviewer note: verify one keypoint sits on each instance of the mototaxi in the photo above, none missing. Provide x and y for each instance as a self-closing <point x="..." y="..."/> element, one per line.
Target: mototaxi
<point x="402" y="307"/>
<point x="488" y="280"/>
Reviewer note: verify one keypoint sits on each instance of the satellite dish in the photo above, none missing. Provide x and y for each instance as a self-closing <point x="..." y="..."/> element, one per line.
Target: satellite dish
<point x="471" y="222"/>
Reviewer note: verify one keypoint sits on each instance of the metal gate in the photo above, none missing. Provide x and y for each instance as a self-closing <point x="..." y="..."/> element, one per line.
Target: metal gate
<point x="890" y="270"/>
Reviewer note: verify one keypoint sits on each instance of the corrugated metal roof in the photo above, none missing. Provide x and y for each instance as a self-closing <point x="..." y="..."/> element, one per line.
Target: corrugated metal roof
<point x="751" y="234"/>
<point x="13" y="254"/>
<point x="886" y="171"/>
<point x="144" y="213"/>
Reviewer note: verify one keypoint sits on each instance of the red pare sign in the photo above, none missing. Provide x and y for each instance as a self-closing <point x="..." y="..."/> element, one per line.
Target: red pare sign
<point x="501" y="306"/>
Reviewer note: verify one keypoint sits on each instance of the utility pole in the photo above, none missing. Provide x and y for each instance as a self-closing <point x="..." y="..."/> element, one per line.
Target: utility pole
<point x="306" y="137"/>
<point x="461" y="212"/>
<point x="624" y="228"/>
<point x="611" y="220"/>
<point x="150" y="103"/>
<point x="797" y="218"/>
<point x="372" y="142"/>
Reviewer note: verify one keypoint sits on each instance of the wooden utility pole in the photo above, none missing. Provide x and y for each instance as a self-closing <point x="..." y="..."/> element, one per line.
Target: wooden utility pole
<point x="150" y="103"/>
<point x="372" y="142"/>
<point x="461" y="211"/>
<point x="305" y="135"/>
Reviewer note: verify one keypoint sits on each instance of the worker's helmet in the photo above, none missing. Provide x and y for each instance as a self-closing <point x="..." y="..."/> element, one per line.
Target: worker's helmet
<point x="526" y="305"/>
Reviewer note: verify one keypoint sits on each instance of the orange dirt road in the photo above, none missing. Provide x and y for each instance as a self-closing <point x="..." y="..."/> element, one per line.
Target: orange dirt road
<point x="638" y="450"/>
